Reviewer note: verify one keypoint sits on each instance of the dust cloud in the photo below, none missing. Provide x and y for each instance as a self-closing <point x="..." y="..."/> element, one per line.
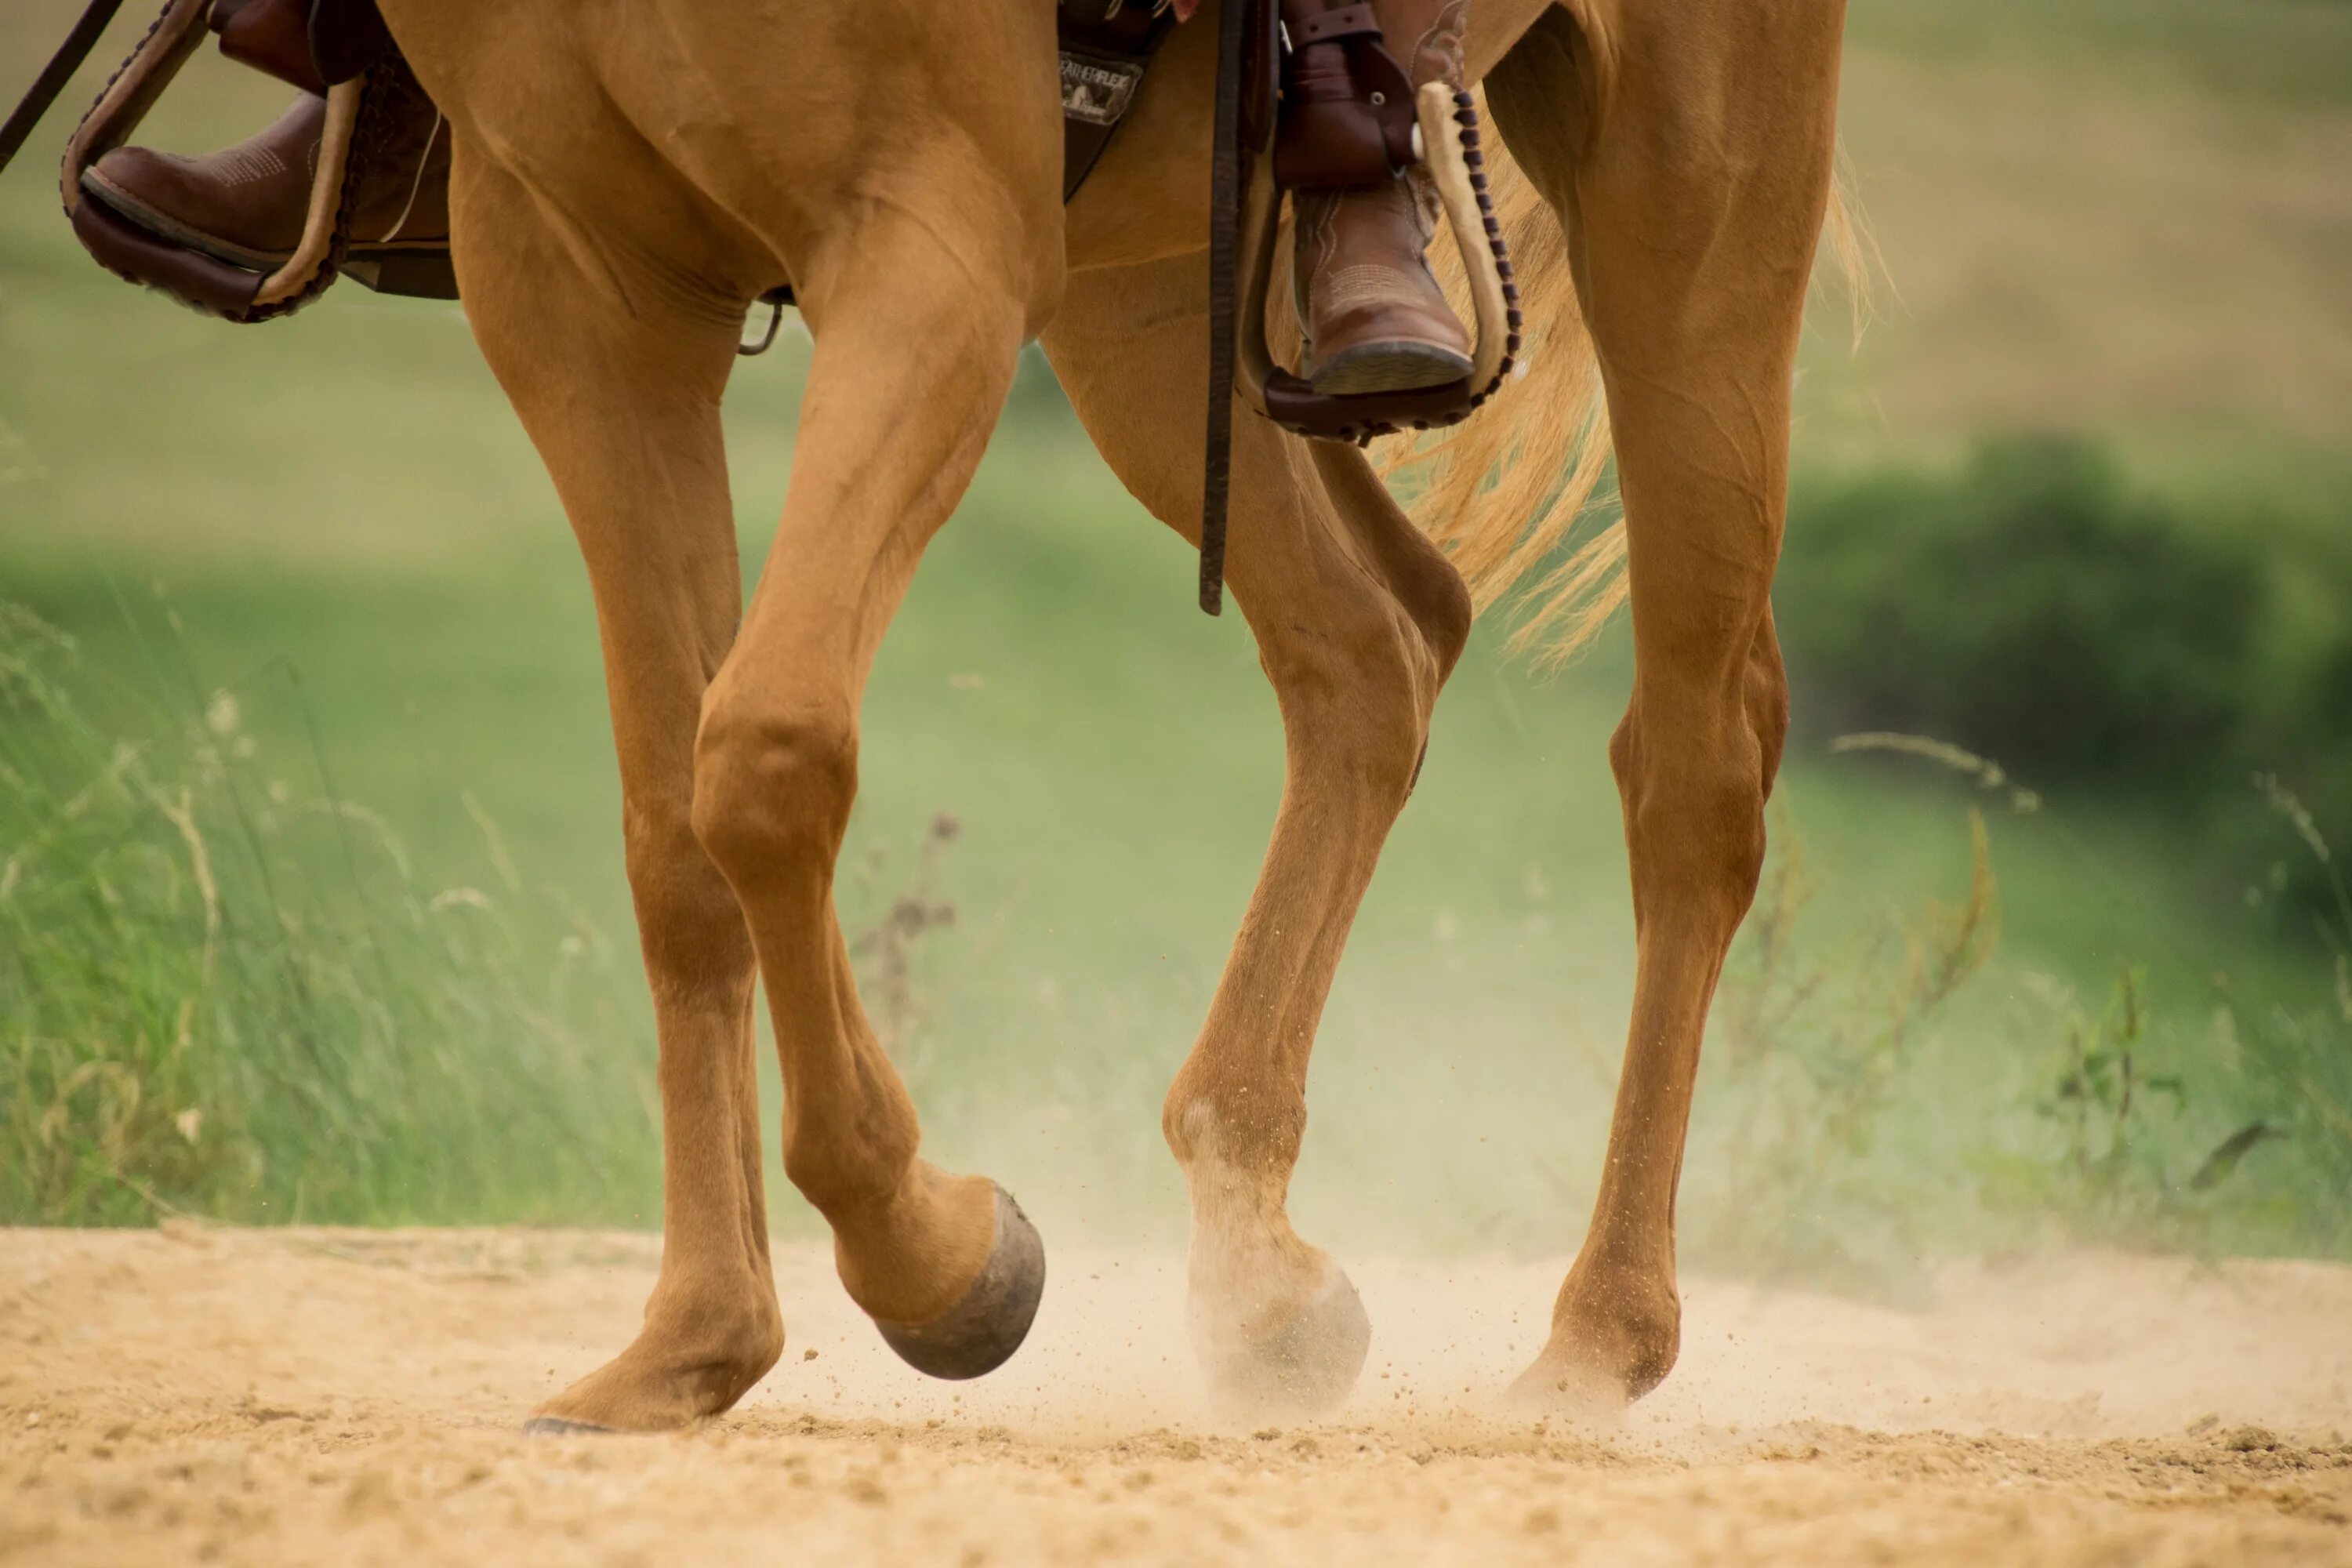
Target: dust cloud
<point x="332" y="1396"/>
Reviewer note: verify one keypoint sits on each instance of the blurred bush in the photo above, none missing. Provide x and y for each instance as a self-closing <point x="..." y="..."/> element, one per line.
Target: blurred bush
<point x="2029" y="607"/>
<point x="2035" y="607"/>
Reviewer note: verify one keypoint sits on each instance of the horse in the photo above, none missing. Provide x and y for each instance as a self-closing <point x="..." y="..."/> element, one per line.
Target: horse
<point x="627" y="179"/>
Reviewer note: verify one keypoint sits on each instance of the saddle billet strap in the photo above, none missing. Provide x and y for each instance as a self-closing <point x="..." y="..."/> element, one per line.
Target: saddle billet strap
<point x="82" y="38"/>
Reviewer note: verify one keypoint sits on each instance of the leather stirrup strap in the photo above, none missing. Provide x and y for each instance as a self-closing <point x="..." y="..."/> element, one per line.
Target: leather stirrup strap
<point x="55" y="75"/>
<point x="1225" y="255"/>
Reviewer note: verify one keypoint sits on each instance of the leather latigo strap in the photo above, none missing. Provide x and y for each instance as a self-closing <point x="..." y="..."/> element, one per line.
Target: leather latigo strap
<point x="1107" y="46"/>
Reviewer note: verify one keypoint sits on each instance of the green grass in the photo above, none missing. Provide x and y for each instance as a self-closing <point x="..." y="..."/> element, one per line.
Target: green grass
<point x="228" y="992"/>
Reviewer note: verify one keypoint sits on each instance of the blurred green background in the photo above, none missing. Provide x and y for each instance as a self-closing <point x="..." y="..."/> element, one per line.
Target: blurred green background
<point x="310" y="897"/>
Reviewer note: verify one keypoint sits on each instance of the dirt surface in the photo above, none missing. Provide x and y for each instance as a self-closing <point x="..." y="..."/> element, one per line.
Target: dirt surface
<point x="327" y="1397"/>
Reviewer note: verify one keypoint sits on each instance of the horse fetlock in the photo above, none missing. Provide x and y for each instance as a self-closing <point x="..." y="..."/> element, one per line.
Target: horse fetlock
<point x="1615" y="1335"/>
<point x="1275" y="1325"/>
<point x="911" y="1256"/>
<point x="693" y="1359"/>
<point x="862" y="1174"/>
<point x="991" y="1319"/>
<point x="1246" y="1130"/>
<point x="735" y="1332"/>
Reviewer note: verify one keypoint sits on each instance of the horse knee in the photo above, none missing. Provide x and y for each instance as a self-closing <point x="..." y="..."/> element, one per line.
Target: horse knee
<point x="772" y="790"/>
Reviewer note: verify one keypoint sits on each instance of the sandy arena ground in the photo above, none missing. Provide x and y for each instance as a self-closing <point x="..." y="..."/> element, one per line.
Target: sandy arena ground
<point x="326" y="1397"/>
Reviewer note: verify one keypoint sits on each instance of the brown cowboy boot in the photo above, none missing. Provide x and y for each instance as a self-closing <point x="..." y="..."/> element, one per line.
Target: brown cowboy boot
<point x="1375" y="317"/>
<point x="246" y="204"/>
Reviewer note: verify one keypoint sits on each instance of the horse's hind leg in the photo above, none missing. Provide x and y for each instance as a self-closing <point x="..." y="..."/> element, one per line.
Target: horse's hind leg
<point x="622" y="405"/>
<point x="1688" y="149"/>
<point x="1358" y="620"/>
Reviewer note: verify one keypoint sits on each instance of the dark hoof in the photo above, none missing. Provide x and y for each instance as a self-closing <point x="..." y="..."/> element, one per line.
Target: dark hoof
<point x="1306" y="1367"/>
<point x="980" y="1333"/>
<point x="557" y="1427"/>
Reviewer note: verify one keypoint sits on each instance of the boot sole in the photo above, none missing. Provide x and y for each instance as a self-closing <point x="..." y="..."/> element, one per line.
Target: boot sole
<point x="1397" y="366"/>
<point x="164" y="226"/>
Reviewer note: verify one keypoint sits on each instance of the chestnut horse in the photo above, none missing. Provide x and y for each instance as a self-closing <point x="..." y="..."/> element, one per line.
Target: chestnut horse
<point x="628" y="178"/>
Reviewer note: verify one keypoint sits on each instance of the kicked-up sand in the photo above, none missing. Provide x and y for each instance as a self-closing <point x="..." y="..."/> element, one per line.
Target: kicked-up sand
<point x="321" y="1398"/>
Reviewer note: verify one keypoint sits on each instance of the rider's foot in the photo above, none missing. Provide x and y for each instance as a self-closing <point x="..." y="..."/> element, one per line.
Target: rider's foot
<point x="1375" y="319"/>
<point x="246" y="204"/>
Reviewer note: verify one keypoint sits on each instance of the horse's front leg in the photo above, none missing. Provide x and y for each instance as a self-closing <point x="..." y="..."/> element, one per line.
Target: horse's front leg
<point x="624" y="406"/>
<point x="918" y="332"/>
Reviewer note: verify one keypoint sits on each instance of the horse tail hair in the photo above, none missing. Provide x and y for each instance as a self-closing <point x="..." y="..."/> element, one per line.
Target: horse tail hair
<point x="1515" y="495"/>
<point x="1502" y="492"/>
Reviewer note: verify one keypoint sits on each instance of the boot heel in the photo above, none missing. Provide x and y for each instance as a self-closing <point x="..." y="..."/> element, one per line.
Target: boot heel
<point x="420" y="274"/>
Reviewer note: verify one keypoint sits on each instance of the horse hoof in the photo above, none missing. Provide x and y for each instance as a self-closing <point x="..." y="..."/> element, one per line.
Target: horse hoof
<point x="557" y="1427"/>
<point x="1306" y="1367"/>
<point x="980" y="1333"/>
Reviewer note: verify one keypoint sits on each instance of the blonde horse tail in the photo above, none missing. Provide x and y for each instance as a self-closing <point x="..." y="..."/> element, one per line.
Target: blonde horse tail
<point x="1503" y="492"/>
<point x="1513" y="495"/>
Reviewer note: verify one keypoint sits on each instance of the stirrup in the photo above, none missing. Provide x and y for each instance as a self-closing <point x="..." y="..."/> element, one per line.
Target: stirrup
<point x="205" y="283"/>
<point x="1446" y="135"/>
<point x="1245" y="223"/>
